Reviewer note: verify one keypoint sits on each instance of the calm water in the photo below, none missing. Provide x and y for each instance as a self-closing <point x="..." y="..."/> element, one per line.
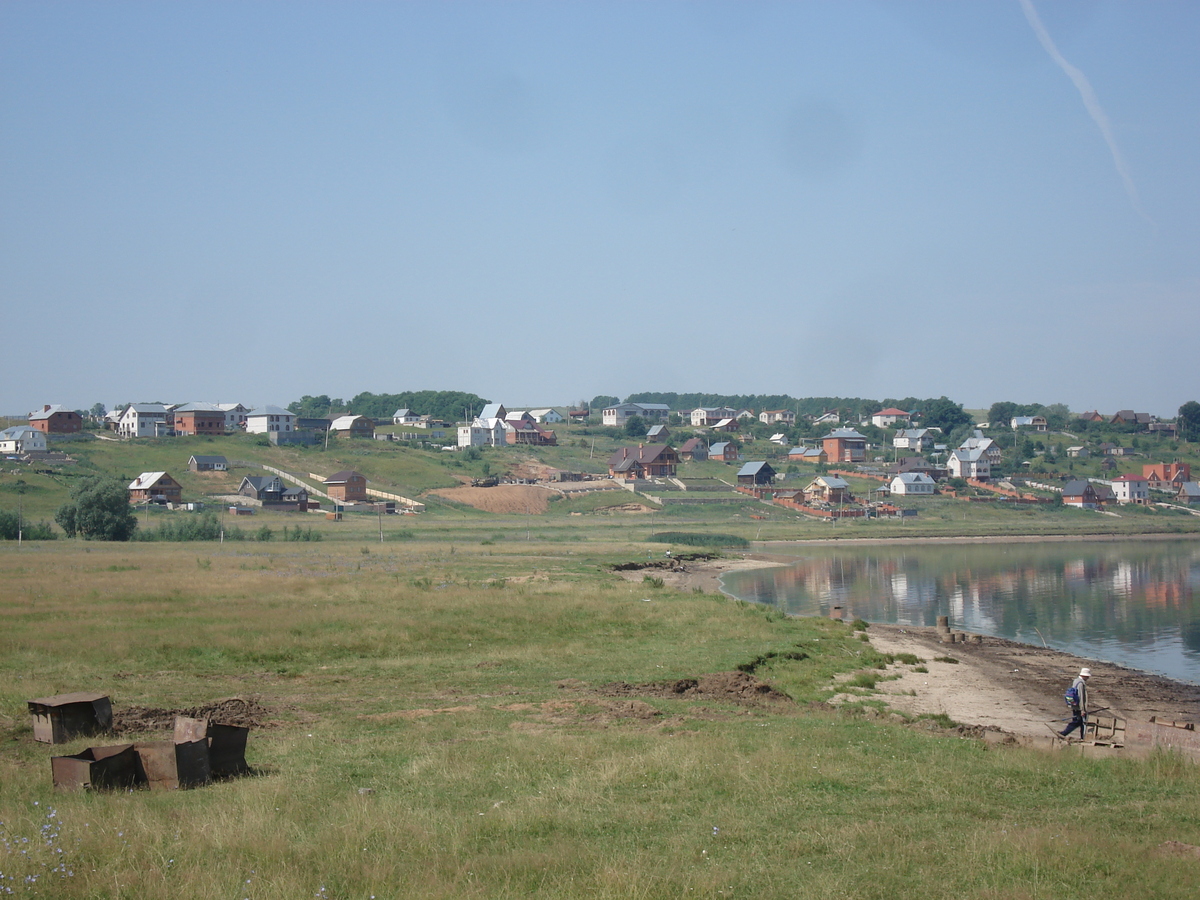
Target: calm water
<point x="1135" y="603"/>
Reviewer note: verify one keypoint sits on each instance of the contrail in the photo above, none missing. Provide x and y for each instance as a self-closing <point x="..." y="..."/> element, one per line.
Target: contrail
<point x="1095" y="110"/>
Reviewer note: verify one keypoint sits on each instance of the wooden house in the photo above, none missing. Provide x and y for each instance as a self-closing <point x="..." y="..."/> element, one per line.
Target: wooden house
<point x="347" y="486"/>
<point x="155" y="487"/>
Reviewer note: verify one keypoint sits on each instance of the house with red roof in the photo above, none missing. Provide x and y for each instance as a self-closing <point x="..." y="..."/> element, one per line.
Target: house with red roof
<point x="886" y="418"/>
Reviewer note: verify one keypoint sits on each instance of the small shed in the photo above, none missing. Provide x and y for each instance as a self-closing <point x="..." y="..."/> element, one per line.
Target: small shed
<point x="756" y="473"/>
<point x="64" y="717"/>
<point x="208" y="464"/>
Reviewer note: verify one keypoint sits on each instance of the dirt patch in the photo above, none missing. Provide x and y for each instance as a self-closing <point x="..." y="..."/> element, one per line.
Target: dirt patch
<point x="634" y="508"/>
<point x="503" y="498"/>
<point x="730" y="687"/>
<point x="246" y="712"/>
<point x="412" y="714"/>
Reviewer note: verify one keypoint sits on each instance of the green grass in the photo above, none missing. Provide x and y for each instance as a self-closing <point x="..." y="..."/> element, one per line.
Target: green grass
<point x="434" y="736"/>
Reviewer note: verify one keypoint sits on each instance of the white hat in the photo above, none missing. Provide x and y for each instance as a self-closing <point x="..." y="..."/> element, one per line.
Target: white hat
<point x="1085" y="672"/>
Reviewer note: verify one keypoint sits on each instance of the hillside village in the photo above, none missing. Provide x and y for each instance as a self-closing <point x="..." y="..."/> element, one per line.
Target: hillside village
<point x="858" y="460"/>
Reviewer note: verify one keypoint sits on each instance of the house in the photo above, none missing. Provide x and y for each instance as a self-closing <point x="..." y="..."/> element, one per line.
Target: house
<point x="704" y="416"/>
<point x="527" y="431"/>
<point x="991" y="450"/>
<point x="828" y="489"/>
<point x="621" y="413"/>
<point x="1189" y="493"/>
<point x="1084" y="494"/>
<point x="777" y="417"/>
<point x="845" y="445"/>
<point x="811" y="455"/>
<point x="886" y="418"/>
<point x="347" y="486"/>
<point x="198" y="418"/>
<point x="22" y="439"/>
<point x="235" y="416"/>
<point x="268" y="419"/>
<point x="1092" y="416"/>
<point x="1167" y="476"/>
<point x="1036" y="423"/>
<point x="916" y="464"/>
<point x="546" y="415"/>
<point x="208" y="464"/>
<point x="483" y="433"/>
<point x="1131" y="489"/>
<point x="725" y="451"/>
<point x="743" y="414"/>
<point x="145" y="420"/>
<point x="833" y="417"/>
<point x="1129" y="417"/>
<point x="353" y="426"/>
<point x="694" y="449"/>
<point x="730" y="424"/>
<point x="267" y="488"/>
<point x="780" y="438"/>
<point x="658" y="434"/>
<point x="969" y="464"/>
<point x="643" y="462"/>
<point x="56" y="420"/>
<point x="912" y="484"/>
<point x="155" y="487"/>
<point x="406" y="416"/>
<point x="1078" y="452"/>
<point x="919" y="439"/>
<point x="756" y="473"/>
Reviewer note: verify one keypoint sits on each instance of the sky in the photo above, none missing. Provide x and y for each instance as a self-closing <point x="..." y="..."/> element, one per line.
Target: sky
<point x="542" y="202"/>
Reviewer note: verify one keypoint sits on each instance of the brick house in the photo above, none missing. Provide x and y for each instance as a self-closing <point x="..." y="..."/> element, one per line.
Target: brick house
<point x="347" y="486"/>
<point x="353" y="426"/>
<point x="199" y="418"/>
<point x="725" y="451"/>
<point x="56" y="420"/>
<point x="643" y="462"/>
<point x="155" y="487"/>
<point x="1167" y="476"/>
<point x="845" y="445"/>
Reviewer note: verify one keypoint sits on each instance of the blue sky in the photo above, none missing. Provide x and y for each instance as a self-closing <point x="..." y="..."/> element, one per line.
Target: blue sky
<point x="540" y="202"/>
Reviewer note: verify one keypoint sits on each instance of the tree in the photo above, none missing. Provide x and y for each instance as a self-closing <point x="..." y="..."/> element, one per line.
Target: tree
<point x="635" y="426"/>
<point x="98" y="411"/>
<point x="98" y="511"/>
<point x="944" y="414"/>
<point x="1002" y="413"/>
<point x="603" y="401"/>
<point x="1189" y="421"/>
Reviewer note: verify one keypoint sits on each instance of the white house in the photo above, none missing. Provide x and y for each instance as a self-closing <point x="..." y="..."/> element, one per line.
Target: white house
<point x="406" y="416"/>
<point x="144" y="420"/>
<point x="777" y="417"/>
<point x="482" y="432"/>
<point x="546" y="416"/>
<point x="912" y="484"/>
<point x="920" y="439"/>
<point x="969" y="464"/>
<point x="22" y="439"/>
<point x="235" y="415"/>
<point x="991" y="450"/>
<point x="711" y="415"/>
<point x="1037" y="423"/>
<point x="885" y="418"/>
<point x="267" y="419"/>
<point x="620" y="414"/>
<point x="1131" y="489"/>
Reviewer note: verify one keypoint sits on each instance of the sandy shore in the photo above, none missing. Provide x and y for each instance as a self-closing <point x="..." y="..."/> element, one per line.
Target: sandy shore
<point x="997" y="683"/>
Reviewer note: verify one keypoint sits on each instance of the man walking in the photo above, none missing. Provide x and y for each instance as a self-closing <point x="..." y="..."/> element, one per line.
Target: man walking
<point x="1077" y="698"/>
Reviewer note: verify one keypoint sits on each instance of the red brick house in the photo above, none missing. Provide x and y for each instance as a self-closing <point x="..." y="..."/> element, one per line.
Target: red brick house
<point x="347" y="486"/>
<point x="155" y="487"/>
<point x="56" y="420"/>
<point x="845" y="445"/>
<point x="1167" y="476"/>
<point x="199" y="418"/>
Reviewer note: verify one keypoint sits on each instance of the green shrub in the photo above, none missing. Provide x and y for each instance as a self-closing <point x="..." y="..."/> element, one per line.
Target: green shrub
<point x="698" y="539"/>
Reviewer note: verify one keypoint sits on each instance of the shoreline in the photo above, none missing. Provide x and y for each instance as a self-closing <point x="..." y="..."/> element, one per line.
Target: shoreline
<point x="997" y="684"/>
<point x="983" y="539"/>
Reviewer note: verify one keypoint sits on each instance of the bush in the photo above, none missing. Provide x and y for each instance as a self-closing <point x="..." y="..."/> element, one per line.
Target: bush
<point x="98" y="511"/>
<point x="10" y="525"/>
<point x="206" y="527"/>
<point x="695" y="539"/>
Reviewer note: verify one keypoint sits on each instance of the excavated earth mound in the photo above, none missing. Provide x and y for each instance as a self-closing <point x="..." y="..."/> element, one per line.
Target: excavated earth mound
<point x="735" y="687"/>
<point x="232" y="711"/>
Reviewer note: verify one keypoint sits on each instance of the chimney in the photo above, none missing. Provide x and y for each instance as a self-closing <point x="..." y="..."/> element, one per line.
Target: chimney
<point x="46" y="408"/>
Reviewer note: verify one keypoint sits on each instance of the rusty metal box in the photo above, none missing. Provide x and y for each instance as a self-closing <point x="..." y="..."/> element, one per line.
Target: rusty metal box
<point x="168" y="766"/>
<point x="227" y="750"/>
<point x="97" y="767"/>
<point x="64" y="717"/>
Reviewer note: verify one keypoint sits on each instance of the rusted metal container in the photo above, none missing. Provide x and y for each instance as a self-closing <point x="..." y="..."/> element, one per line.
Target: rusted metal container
<point x="97" y="767"/>
<point x="168" y="766"/>
<point x="227" y="750"/>
<point x="65" y="717"/>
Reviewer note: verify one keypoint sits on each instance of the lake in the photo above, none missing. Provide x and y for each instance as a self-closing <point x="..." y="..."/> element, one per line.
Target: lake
<point x="1134" y="603"/>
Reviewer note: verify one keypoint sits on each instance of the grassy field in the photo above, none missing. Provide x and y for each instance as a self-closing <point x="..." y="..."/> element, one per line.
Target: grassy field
<point x="437" y="725"/>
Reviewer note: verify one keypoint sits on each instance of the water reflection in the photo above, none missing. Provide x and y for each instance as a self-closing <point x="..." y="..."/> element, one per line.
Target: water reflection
<point x="1134" y="603"/>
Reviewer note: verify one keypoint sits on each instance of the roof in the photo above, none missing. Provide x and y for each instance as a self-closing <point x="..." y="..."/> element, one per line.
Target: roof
<point x="492" y="411"/>
<point x="691" y="444"/>
<point x="342" y="423"/>
<point x="830" y="481"/>
<point x="914" y="478"/>
<point x="891" y="411"/>
<point x="199" y="407"/>
<point x="47" y="413"/>
<point x="657" y="429"/>
<point x="18" y="433"/>
<point x="718" y="447"/>
<point x="258" y="482"/>
<point x="753" y="468"/>
<point x="1129" y="478"/>
<point x="845" y="434"/>
<point x="401" y="413"/>
<point x="147" y="409"/>
<point x="269" y="411"/>
<point x="343" y="476"/>
<point x="723" y="423"/>
<point x="212" y="460"/>
<point x="1190" y="488"/>
<point x="147" y="480"/>
<point x="1075" y="488"/>
<point x="912" y="433"/>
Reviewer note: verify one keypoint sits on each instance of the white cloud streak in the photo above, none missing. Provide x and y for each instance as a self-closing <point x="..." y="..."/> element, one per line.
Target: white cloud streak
<point x="1090" y="101"/>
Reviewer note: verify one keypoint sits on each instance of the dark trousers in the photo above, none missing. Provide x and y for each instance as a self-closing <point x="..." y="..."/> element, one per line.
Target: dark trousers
<point x="1078" y="720"/>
